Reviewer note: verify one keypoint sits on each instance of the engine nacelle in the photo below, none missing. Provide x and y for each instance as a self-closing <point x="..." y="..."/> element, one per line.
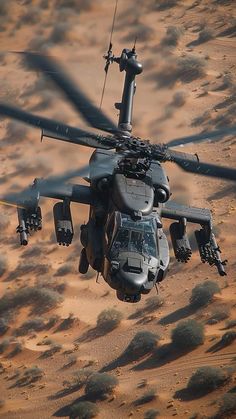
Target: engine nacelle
<point x="63" y="223"/>
<point x="180" y="241"/>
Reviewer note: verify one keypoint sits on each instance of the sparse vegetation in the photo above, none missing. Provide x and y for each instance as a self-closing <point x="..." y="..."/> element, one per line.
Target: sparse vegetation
<point x="151" y="414"/>
<point x="165" y="4"/>
<point x="203" y="293"/>
<point x="207" y="379"/>
<point x="60" y="32"/>
<point x="205" y="35"/>
<point x="4" y="7"/>
<point x="77" y="5"/>
<point x="228" y="338"/>
<point x="147" y="397"/>
<point x="142" y="344"/>
<point x="4" y="326"/>
<point x="67" y="323"/>
<point x="65" y="269"/>
<point x="230" y="324"/>
<point x="30" y="375"/>
<point x="42" y="299"/>
<point x="31" y="17"/>
<point x="2" y="403"/>
<point x="188" y="334"/>
<point x="55" y="347"/>
<point x="3" y="265"/>
<point x="227" y="407"/>
<point x="4" y="345"/>
<point x="109" y="319"/>
<point x="84" y="410"/>
<point x="18" y="348"/>
<point x="100" y="386"/>
<point x="151" y="304"/>
<point x="220" y="313"/>
<point x="36" y="324"/>
<point x="24" y="269"/>
<point x="172" y="36"/>
<point x="190" y="68"/>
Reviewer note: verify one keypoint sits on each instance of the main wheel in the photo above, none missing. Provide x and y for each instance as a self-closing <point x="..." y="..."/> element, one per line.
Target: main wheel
<point x="83" y="262"/>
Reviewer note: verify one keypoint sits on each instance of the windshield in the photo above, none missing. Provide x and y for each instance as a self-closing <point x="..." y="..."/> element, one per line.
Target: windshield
<point x="134" y="241"/>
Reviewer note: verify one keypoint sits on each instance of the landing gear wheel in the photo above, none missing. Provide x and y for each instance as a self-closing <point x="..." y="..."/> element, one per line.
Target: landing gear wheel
<point x="83" y="262"/>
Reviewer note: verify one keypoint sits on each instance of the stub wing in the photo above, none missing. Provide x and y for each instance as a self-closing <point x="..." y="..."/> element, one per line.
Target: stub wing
<point x="208" y="249"/>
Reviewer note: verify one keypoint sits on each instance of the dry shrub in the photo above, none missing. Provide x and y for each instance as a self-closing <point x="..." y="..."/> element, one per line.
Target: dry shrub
<point x="24" y="269"/>
<point x="18" y="348"/>
<point x="143" y="343"/>
<point x="184" y="69"/>
<point x="55" y="347"/>
<point x="100" y="386"/>
<point x="77" y="5"/>
<point x="84" y="410"/>
<point x="203" y="293"/>
<point x="31" y="17"/>
<point x="220" y="313"/>
<point x="16" y="132"/>
<point x="151" y="414"/>
<point x="147" y="397"/>
<point x="4" y="345"/>
<point x="4" y="222"/>
<point x="67" y="323"/>
<point x="4" y="4"/>
<point x="4" y="325"/>
<point x="109" y="319"/>
<point x="30" y="375"/>
<point x="60" y="33"/>
<point x="207" y="379"/>
<point x="65" y="270"/>
<point x="187" y="335"/>
<point x="172" y="36"/>
<point x="32" y="325"/>
<point x="230" y="324"/>
<point x="3" y="265"/>
<point x="205" y="35"/>
<point x="228" y="338"/>
<point x="42" y="299"/>
<point x="165" y="4"/>
<point x="227" y="407"/>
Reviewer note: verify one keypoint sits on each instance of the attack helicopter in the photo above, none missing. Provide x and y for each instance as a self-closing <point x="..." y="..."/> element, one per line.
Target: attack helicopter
<point x="128" y="189"/>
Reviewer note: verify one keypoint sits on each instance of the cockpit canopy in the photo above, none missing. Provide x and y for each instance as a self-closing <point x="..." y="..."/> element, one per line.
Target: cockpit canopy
<point x="133" y="236"/>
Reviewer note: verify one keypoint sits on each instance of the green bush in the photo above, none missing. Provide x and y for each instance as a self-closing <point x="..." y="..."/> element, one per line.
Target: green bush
<point x="219" y="314"/>
<point x="172" y="36"/>
<point x="203" y="293"/>
<point x="187" y="334"/>
<point x="16" y="350"/>
<point x="109" y="319"/>
<point x="84" y="410"/>
<point x="207" y="379"/>
<point x="100" y="385"/>
<point x="142" y="344"/>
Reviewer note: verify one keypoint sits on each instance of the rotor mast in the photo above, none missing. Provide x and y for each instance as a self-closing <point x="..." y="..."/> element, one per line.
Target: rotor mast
<point x="128" y="63"/>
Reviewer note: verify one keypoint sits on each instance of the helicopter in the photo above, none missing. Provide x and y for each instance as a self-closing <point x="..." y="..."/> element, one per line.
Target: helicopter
<point x="128" y="189"/>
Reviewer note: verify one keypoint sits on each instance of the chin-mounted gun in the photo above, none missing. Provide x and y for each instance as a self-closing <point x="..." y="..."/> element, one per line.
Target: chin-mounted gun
<point x="209" y="250"/>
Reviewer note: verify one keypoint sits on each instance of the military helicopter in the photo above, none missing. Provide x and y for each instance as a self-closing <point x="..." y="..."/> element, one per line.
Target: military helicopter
<point x="128" y="191"/>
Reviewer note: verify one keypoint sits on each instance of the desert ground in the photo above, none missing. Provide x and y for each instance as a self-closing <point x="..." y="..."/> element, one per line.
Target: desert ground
<point x="188" y="85"/>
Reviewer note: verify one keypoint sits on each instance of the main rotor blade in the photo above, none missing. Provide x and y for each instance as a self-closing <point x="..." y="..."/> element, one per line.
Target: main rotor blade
<point x="202" y="136"/>
<point x="60" y="130"/>
<point x="94" y="116"/>
<point x="205" y="169"/>
<point x="42" y="187"/>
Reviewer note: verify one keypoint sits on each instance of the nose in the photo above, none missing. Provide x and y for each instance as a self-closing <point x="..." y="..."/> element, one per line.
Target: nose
<point x="132" y="283"/>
